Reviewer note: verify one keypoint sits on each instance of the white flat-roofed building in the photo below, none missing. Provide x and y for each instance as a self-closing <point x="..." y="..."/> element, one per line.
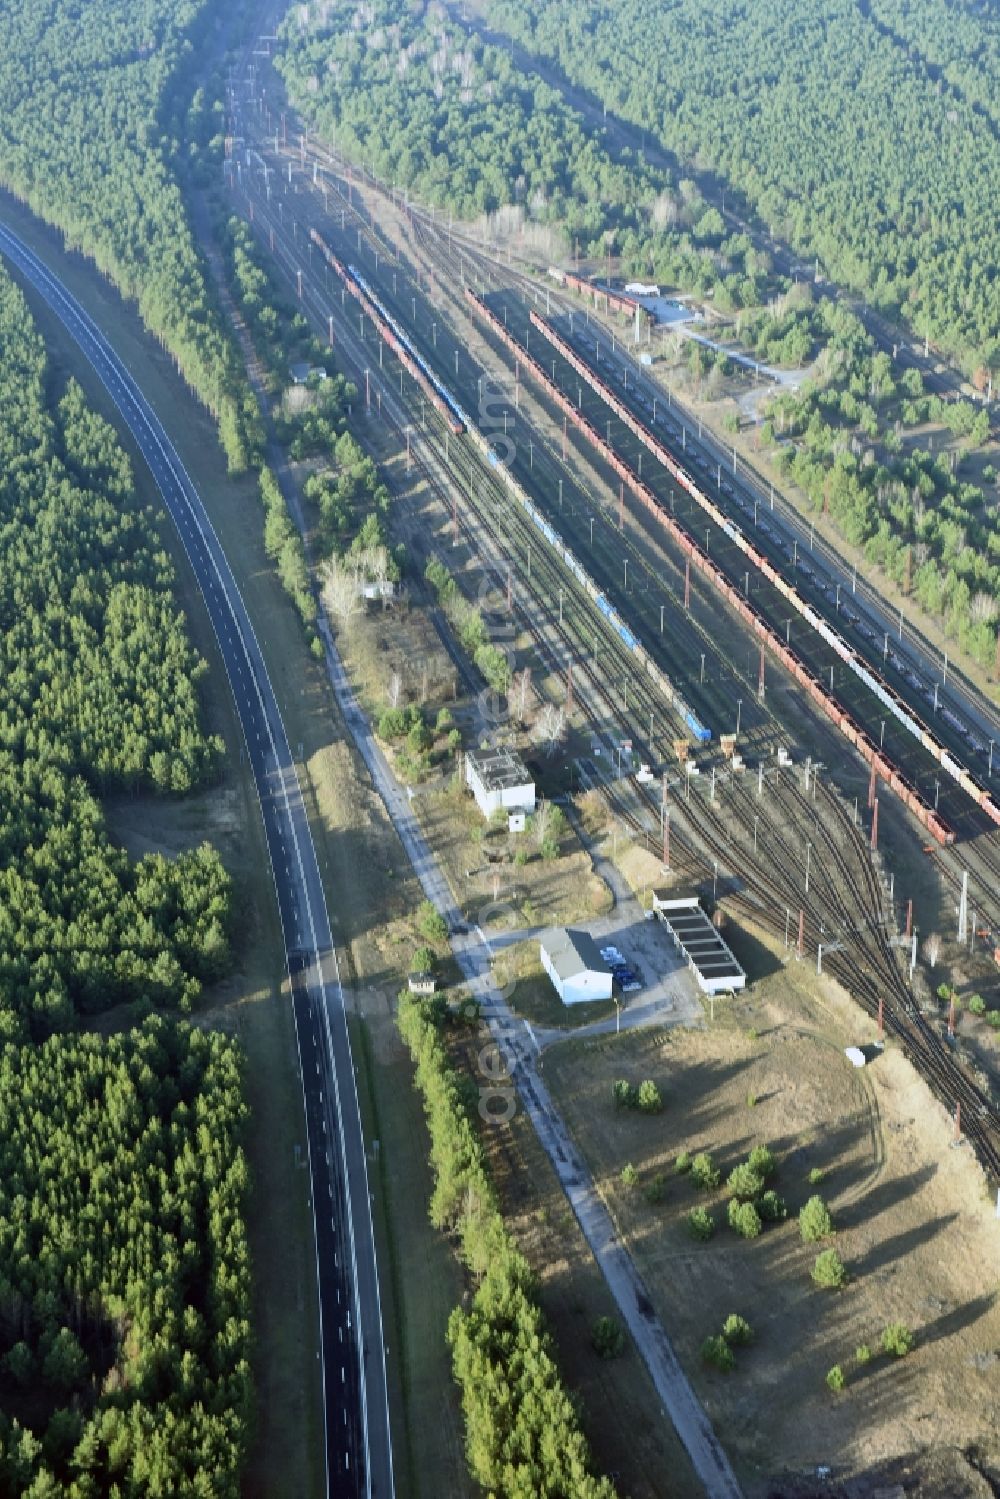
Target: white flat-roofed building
<point x="499" y="780"/>
<point x="578" y="972"/>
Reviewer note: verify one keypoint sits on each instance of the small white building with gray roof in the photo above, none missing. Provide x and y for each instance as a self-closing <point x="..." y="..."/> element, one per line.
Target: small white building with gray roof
<point x="572" y="961"/>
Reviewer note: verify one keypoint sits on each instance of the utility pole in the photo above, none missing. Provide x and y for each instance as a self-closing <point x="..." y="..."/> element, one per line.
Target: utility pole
<point x="963" y="908"/>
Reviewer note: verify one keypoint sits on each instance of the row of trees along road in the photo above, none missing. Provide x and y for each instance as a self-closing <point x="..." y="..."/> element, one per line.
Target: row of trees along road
<point x="90" y="93"/>
<point x="124" y="1277"/>
<point x="865" y="135"/>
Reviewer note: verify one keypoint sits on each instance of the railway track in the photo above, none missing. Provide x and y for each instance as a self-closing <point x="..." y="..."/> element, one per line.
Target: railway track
<point x="762" y="893"/>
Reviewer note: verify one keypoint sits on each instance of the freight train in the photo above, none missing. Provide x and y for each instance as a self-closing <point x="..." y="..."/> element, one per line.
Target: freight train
<point x="789" y="659"/>
<point x="697" y="729"/>
<point x="627" y="306"/>
<point x="459" y="422"/>
<point x="842" y="647"/>
<point x="398" y="340"/>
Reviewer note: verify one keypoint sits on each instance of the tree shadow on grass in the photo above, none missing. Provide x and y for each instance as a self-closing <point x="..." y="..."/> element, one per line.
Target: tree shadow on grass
<point x="899" y="1245"/>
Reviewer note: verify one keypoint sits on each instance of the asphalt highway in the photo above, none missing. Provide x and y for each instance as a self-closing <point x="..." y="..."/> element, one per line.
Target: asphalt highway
<point x="356" y="1417"/>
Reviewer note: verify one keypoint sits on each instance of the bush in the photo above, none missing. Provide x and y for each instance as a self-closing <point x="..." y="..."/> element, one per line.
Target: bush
<point x="683" y="1163"/>
<point x="816" y="1175"/>
<point x="737" y="1330"/>
<point x="701" y="1224"/>
<point x="835" y="1379"/>
<point x="862" y="1354"/>
<point x="814" y="1221"/>
<point x="762" y="1161"/>
<point x="392" y="724"/>
<point x="423" y="961"/>
<point x="718" y="1352"/>
<point x="828" y="1270"/>
<point x="430" y="923"/>
<point x="704" y="1171"/>
<point x="977" y="1005"/>
<point x="751" y="1100"/>
<point x="629" y="1176"/>
<point x="897" y="1340"/>
<point x="444" y="721"/>
<point x="623" y="1094"/>
<point x="657" y="1189"/>
<point x="608" y="1337"/>
<point x="649" y="1099"/>
<point x="745" y="1183"/>
<point x="772" y="1208"/>
<point x="744" y="1219"/>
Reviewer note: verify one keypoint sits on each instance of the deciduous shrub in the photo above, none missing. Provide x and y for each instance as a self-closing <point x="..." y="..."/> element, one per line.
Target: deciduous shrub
<point x="683" y="1163"/>
<point x="629" y="1176"/>
<point x="862" y="1354"/>
<point x="835" y="1379"/>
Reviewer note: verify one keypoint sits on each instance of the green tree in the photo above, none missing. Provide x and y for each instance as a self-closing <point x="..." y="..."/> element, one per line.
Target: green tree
<point x="745" y="1183"/>
<point x="744" y="1219"/>
<point x="704" y="1171"/>
<point x="737" y="1330"/>
<point x="828" y="1270"/>
<point x="717" y="1352"/>
<point x="608" y="1338"/>
<point x="815" y="1221"/>
<point x="701" y="1224"/>
<point x="897" y="1340"/>
<point x="649" y="1099"/>
<point x="430" y="923"/>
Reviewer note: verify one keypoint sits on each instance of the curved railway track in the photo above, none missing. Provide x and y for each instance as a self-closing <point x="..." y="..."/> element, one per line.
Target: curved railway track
<point x="874" y="973"/>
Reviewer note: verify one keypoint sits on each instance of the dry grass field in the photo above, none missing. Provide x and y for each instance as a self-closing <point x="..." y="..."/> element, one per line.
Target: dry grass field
<point x="913" y="1226"/>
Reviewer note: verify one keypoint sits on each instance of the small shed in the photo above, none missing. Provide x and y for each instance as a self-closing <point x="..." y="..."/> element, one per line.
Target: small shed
<point x="422" y="983"/>
<point x="499" y="780"/>
<point x="578" y="972"/>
